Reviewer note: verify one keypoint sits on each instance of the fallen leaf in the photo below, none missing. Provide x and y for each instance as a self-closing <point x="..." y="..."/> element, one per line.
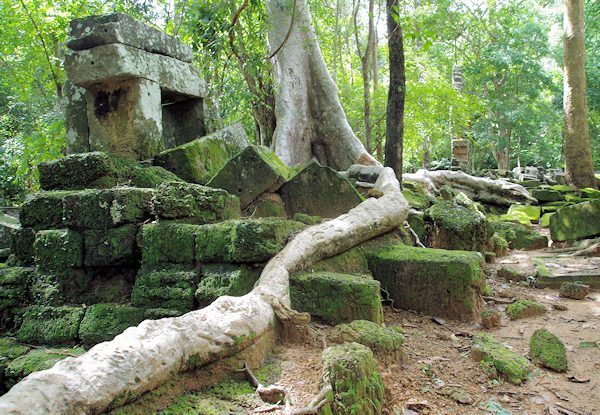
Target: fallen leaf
<point x="576" y="379"/>
<point x="439" y="321"/>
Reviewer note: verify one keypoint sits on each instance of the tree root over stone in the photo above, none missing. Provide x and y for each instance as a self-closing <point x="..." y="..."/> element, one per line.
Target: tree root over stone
<point x="142" y="358"/>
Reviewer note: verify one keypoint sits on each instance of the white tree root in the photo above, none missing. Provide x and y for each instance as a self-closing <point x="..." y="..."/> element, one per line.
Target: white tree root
<point x="144" y="357"/>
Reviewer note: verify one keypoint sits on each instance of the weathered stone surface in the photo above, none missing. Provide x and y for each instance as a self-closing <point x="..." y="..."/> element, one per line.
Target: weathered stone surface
<point x="35" y="360"/>
<point x="114" y="246"/>
<point x="43" y="210"/>
<point x="547" y="349"/>
<point x="225" y="279"/>
<point x="102" y="322"/>
<point x="98" y="170"/>
<point x="337" y="298"/>
<point x="319" y="190"/>
<point x="254" y="171"/>
<point x="499" y="359"/>
<point x="576" y="222"/>
<point x="199" y="160"/>
<point x="113" y="62"/>
<point x="525" y="309"/>
<point x="434" y="281"/>
<point x="107" y="208"/>
<point x="21" y="247"/>
<point x="76" y="122"/>
<point x="385" y="342"/>
<point x="531" y="212"/>
<point x="125" y="118"/>
<point x="247" y="240"/>
<point x="50" y="325"/>
<point x="194" y="203"/>
<point x="416" y="200"/>
<point x="520" y="236"/>
<point x="546" y="195"/>
<point x="167" y="242"/>
<point x="574" y="290"/>
<point x="58" y="249"/>
<point x="166" y="286"/>
<point x="268" y="206"/>
<point x="91" y="31"/>
<point x="357" y="387"/>
<point x="508" y="273"/>
<point x="14" y="286"/>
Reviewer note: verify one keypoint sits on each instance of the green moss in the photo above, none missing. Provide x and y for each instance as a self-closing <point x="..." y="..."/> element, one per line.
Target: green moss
<point x="102" y="322"/>
<point x="21" y="245"/>
<point x="531" y="212"/>
<point x="199" y="404"/>
<point x="267" y="207"/>
<point x="152" y="176"/>
<point x="115" y="246"/>
<point x="547" y="349"/>
<point x="102" y="209"/>
<point x="58" y="249"/>
<point x="167" y="242"/>
<point x="10" y="349"/>
<point x="194" y="203"/>
<point x="167" y="286"/>
<point x="520" y="218"/>
<point x="590" y="193"/>
<point x="225" y="279"/>
<point x="490" y="352"/>
<point x="354" y="377"/>
<point x="525" y="308"/>
<point x="545" y="220"/>
<point x="576" y="222"/>
<point x="35" y="360"/>
<point x="43" y="210"/>
<point x="416" y="222"/>
<point x="337" y="298"/>
<point x="416" y="200"/>
<point x="452" y="226"/>
<point x="47" y="289"/>
<point x="563" y="188"/>
<point x="434" y="281"/>
<point x="14" y="286"/>
<point x="381" y="340"/>
<point x="519" y="236"/>
<point x="50" y="325"/>
<point x="487" y="290"/>
<point x="307" y="219"/>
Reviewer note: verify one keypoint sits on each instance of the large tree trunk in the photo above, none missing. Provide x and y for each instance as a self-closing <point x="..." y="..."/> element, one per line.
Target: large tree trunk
<point x="144" y="357"/>
<point x="578" y="152"/>
<point x="394" y="131"/>
<point x="310" y="120"/>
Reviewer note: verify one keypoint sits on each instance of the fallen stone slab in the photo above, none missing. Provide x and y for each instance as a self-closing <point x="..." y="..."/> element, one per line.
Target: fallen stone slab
<point x="199" y="160"/>
<point x="553" y="271"/>
<point x="547" y="349"/>
<point x="91" y="31"/>
<point x="531" y="212"/>
<point x="499" y="360"/>
<point x="434" y="281"/>
<point x="546" y="195"/>
<point x="252" y="172"/>
<point x="166" y="286"/>
<point x="114" y="62"/>
<point x="319" y="190"/>
<point x="576" y="222"/>
<point x="337" y="298"/>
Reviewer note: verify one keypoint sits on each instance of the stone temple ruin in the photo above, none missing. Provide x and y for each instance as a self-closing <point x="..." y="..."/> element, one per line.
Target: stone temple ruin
<point x="131" y="91"/>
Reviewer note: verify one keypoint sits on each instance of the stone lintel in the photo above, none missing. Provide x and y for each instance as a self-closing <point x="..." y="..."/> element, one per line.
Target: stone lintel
<point x="92" y="31"/>
<point x="118" y="62"/>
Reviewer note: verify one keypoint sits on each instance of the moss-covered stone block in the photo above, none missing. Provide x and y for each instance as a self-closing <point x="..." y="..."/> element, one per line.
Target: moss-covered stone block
<point x="36" y="360"/>
<point x="199" y="160"/>
<point x="546" y="195"/>
<point x="167" y="242"/>
<point x="545" y="220"/>
<point x="14" y="286"/>
<point x="490" y="318"/>
<point x="494" y="355"/>
<point x="532" y="212"/>
<point x="518" y="217"/>
<point x="44" y="210"/>
<point x="110" y="247"/>
<point x="547" y="349"/>
<point x="385" y="342"/>
<point x="576" y="222"/>
<point x="354" y="377"/>
<point x="417" y="224"/>
<point x="268" y="205"/>
<point x="21" y="247"/>
<point x="102" y="322"/>
<point x="248" y="240"/>
<point x="520" y="236"/>
<point x="508" y="273"/>
<point x="225" y="279"/>
<point x="252" y="172"/>
<point x="58" y="249"/>
<point x="525" y="309"/>
<point x="97" y="170"/>
<point x="452" y="226"/>
<point x="434" y="281"/>
<point x="47" y="289"/>
<point x="590" y="193"/>
<point x="307" y="219"/>
<point x="166" y="286"/>
<point x="50" y="325"/>
<point x="416" y="200"/>
<point x="337" y="298"/>
<point x="194" y="203"/>
<point x="320" y="191"/>
<point x="107" y="208"/>
<point x="574" y="290"/>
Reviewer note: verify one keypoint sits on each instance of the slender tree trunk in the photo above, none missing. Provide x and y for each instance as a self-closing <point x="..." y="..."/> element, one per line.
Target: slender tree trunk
<point x="395" y="109"/>
<point x="310" y="120"/>
<point x="365" y="60"/>
<point x="578" y="152"/>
